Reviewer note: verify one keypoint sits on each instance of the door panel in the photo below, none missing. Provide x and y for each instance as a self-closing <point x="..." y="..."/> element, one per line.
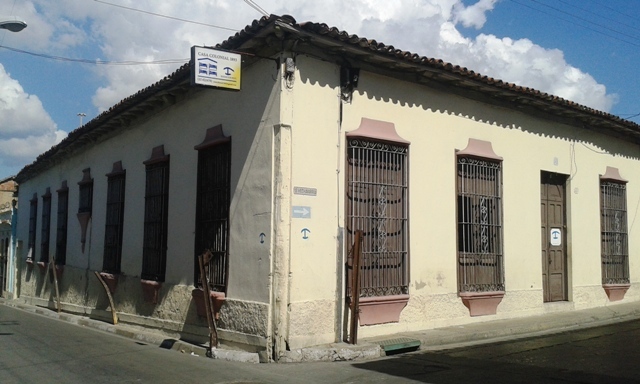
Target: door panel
<point x="554" y="255"/>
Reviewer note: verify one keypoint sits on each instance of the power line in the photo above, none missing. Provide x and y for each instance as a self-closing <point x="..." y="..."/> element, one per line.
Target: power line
<point x="599" y="15"/>
<point x="631" y="115"/>
<point x="574" y="23"/>
<point x="583" y="19"/>
<point x="96" y="62"/>
<point x="614" y="10"/>
<point x="166" y="17"/>
<point x="255" y="6"/>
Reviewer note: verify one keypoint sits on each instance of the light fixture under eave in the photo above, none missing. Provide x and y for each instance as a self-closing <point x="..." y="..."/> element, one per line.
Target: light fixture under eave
<point x="12" y="23"/>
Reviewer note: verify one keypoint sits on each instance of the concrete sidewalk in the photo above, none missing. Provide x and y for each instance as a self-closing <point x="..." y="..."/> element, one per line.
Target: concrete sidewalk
<point x="370" y="348"/>
<point x="472" y="334"/>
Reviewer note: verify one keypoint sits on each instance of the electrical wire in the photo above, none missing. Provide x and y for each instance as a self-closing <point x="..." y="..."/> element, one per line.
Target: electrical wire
<point x="600" y="15"/>
<point x="583" y="19"/>
<point x="258" y="8"/>
<point x="165" y="16"/>
<point x="631" y="115"/>
<point x="574" y="23"/>
<point x="97" y="62"/>
<point x="614" y="10"/>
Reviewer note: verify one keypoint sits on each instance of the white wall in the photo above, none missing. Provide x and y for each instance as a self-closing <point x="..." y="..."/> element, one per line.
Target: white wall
<point x="248" y="117"/>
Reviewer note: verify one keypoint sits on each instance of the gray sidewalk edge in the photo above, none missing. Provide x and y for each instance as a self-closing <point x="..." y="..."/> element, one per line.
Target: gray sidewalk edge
<point x="131" y="332"/>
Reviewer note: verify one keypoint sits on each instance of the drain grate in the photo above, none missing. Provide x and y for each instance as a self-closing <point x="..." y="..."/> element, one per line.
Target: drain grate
<point x="399" y="344"/>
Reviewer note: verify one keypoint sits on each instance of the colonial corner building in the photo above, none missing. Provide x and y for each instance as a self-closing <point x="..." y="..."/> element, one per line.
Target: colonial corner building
<point x="458" y="197"/>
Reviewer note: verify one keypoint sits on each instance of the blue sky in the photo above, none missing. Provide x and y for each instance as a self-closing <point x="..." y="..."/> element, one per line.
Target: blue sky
<point x="583" y="50"/>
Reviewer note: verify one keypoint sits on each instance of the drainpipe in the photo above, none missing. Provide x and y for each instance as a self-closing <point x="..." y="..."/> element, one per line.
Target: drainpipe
<point x="341" y="318"/>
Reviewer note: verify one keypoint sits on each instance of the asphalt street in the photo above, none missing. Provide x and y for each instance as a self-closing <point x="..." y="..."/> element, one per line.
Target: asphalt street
<point x="39" y="349"/>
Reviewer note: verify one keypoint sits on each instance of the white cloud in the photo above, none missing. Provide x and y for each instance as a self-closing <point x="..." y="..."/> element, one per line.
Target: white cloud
<point x="26" y="129"/>
<point x="473" y="15"/>
<point x="427" y="27"/>
<point x="92" y="29"/>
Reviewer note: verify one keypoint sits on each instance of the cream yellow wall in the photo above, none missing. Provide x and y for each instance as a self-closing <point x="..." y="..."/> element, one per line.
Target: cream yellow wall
<point x="437" y="124"/>
<point x="316" y="290"/>
<point x="289" y="134"/>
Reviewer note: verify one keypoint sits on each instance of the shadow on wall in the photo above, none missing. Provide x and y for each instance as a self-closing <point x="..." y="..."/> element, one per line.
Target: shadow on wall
<point x="411" y="95"/>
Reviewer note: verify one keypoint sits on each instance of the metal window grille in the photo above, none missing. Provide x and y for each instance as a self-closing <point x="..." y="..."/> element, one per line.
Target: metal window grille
<point x="156" y="207"/>
<point x="480" y="258"/>
<point x="45" y="228"/>
<point x="377" y="203"/>
<point x="61" y="226"/>
<point x="86" y="196"/>
<point x="114" y="223"/>
<point x="212" y="213"/>
<point x="33" y="221"/>
<point x="613" y="223"/>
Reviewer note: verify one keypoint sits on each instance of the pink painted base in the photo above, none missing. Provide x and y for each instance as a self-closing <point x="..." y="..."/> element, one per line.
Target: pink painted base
<point x="111" y="280"/>
<point x="150" y="290"/>
<point x="482" y="303"/>
<point x="43" y="266"/>
<point x="616" y="292"/>
<point x="198" y="298"/>
<point x="381" y="309"/>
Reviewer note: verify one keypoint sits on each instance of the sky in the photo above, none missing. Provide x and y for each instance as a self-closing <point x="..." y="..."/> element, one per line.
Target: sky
<point x="77" y="58"/>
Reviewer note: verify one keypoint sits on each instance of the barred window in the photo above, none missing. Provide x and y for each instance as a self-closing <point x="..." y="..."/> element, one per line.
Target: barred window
<point x="45" y="226"/>
<point x="61" y="226"/>
<point x="156" y="209"/>
<point x="115" y="219"/>
<point x="479" y="205"/>
<point x="33" y="221"/>
<point x="614" y="238"/>
<point x="86" y="192"/>
<point x="377" y="204"/>
<point x="212" y="208"/>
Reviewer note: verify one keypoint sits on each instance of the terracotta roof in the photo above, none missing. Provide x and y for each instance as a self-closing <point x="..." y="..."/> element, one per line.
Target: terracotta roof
<point x="258" y="37"/>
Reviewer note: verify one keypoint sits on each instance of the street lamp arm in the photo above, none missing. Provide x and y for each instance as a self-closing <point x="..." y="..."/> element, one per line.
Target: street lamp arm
<point x="12" y="23"/>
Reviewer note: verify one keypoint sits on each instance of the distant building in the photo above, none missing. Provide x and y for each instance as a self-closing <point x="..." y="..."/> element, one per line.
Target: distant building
<point x="8" y="188"/>
<point x="475" y="199"/>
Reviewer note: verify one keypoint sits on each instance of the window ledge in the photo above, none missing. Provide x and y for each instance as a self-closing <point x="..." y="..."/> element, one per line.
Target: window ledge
<point x="111" y="280"/>
<point x="482" y="303"/>
<point x="43" y="266"/>
<point x="198" y="298"/>
<point x="381" y="309"/>
<point x="616" y="292"/>
<point x="150" y="290"/>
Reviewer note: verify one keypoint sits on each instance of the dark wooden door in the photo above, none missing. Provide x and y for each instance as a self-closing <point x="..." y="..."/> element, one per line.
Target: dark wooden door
<point x="554" y="228"/>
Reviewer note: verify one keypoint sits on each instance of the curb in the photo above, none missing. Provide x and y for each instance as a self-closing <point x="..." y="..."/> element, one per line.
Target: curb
<point x="369" y="348"/>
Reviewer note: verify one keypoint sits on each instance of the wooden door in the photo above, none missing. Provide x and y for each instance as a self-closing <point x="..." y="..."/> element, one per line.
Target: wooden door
<point x="554" y="255"/>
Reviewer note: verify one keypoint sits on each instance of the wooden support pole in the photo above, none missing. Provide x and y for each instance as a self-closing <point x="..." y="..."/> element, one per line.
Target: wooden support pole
<point x="52" y="264"/>
<point x="109" y="296"/>
<point x="208" y="304"/>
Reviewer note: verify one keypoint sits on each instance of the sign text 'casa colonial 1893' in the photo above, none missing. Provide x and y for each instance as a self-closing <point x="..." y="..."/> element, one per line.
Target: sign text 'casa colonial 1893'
<point x="213" y="68"/>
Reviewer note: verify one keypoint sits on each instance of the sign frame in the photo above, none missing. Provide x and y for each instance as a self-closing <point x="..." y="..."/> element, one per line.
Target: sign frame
<point x="214" y="68"/>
